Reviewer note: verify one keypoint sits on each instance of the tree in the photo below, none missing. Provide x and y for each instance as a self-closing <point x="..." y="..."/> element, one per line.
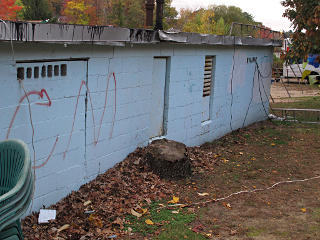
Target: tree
<point x="56" y="7"/>
<point x="200" y="21"/>
<point x="9" y="9"/>
<point x="170" y="15"/>
<point x="36" y="10"/>
<point x="305" y="17"/>
<point x="213" y="20"/>
<point x="220" y="28"/>
<point x="80" y="12"/>
<point x="232" y="14"/>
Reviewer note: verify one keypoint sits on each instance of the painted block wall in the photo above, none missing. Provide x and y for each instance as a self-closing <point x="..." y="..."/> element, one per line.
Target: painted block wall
<point x="74" y="145"/>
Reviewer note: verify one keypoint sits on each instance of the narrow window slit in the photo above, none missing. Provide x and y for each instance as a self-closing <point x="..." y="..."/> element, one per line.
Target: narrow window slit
<point x="20" y="73"/>
<point x="63" y="69"/>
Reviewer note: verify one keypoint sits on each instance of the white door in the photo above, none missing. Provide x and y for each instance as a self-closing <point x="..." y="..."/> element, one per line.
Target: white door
<point x="158" y="97"/>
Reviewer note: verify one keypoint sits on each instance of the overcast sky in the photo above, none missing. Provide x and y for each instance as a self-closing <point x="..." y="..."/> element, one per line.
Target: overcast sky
<point x="269" y="12"/>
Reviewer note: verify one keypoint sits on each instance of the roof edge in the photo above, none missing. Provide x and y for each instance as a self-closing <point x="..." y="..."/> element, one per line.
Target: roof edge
<point x="115" y="36"/>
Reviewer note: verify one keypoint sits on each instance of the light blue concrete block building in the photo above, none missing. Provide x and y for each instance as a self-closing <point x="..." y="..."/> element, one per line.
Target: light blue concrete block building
<point x="98" y="93"/>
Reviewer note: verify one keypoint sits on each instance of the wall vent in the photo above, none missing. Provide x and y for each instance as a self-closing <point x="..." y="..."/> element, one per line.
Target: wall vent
<point x="63" y="69"/>
<point x="44" y="71"/>
<point x="208" y="71"/>
<point x="29" y="72"/>
<point x="36" y="72"/>
<point x="49" y="71"/>
<point x="20" y="73"/>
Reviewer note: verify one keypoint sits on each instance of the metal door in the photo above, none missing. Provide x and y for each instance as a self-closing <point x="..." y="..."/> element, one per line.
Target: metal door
<point x="158" y="97"/>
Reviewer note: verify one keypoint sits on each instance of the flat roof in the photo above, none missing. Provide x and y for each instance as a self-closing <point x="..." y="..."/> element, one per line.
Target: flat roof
<point x="115" y="36"/>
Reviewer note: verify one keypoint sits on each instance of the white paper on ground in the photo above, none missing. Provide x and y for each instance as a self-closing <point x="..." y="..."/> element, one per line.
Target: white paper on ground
<point x="46" y="215"/>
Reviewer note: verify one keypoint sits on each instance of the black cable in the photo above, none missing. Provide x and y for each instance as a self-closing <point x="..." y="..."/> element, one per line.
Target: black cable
<point x="265" y="92"/>
<point x="252" y="93"/>
<point x="262" y="99"/>
<point x="233" y="59"/>
<point x="268" y="76"/>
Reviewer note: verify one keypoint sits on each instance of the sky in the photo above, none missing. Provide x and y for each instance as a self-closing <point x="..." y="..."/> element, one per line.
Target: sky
<point x="269" y="12"/>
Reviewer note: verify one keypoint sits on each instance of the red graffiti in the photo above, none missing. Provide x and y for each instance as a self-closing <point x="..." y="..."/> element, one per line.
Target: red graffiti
<point x="40" y="94"/>
<point x="45" y="162"/>
<point x="95" y="137"/>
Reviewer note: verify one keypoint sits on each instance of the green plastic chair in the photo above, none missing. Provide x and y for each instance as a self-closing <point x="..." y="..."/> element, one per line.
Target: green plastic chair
<point x="12" y="233"/>
<point x="16" y="187"/>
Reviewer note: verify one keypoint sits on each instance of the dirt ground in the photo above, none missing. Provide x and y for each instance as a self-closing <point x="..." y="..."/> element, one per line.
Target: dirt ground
<point x="280" y="94"/>
<point x="249" y="159"/>
<point x="257" y="158"/>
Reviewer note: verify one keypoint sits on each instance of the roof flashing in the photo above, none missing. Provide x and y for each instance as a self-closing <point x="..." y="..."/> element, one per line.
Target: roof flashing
<point x="115" y="36"/>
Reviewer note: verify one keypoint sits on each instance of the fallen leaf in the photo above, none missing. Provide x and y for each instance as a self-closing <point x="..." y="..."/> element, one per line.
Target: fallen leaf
<point x="241" y="153"/>
<point x="197" y="228"/>
<point x="175" y="212"/>
<point x="233" y="232"/>
<point x="203" y="194"/>
<point x="87" y="203"/>
<point x="227" y="205"/>
<point x="142" y="211"/>
<point x="224" y="160"/>
<point x="95" y="220"/>
<point x="191" y="210"/>
<point x="273" y="144"/>
<point x="149" y="222"/>
<point x="118" y="221"/>
<point x="134" y="213"/>
<point x="174" y="200"/>
<point x="64" y="227"/>
<point x="303" y="210"/>
<point x="107" y="232"/>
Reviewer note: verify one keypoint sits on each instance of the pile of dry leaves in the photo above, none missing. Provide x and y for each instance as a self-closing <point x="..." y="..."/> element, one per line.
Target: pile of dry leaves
<point x="98" y="209"/>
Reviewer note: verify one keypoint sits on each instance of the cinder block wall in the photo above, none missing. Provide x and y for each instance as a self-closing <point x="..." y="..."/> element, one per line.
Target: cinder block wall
<point x="72" y="149"/>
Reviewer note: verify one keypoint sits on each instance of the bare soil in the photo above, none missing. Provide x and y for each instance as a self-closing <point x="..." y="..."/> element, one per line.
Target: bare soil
<point x="255" y="158"/>
<point x="280" y="94"/>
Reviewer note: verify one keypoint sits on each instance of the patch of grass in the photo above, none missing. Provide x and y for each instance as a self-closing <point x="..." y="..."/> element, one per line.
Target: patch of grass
<point x="302" y="102"/>
<point x="178" y="232"/>
<point x="316" y="214"/>
<point x="309" y="129"/>
<point x="282" y="234"/>
<point x="275" y="135"/>
<point x="160" y="217"/>
<point x="247" y="136"/>
<point x="254" y="232"/>
<point x="215" y="227"/>
<point x="315" y="229"/>
<point x="236" y="177"/>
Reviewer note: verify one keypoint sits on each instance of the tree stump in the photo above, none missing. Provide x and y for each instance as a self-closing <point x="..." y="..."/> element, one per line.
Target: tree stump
<point x="169" y="159"/>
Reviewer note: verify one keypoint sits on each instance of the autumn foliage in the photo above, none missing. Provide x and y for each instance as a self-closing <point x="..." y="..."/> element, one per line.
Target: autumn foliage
<point x="305" y="17"/>
<point x="9" y="9"/>
<point x="80" y="12"/>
